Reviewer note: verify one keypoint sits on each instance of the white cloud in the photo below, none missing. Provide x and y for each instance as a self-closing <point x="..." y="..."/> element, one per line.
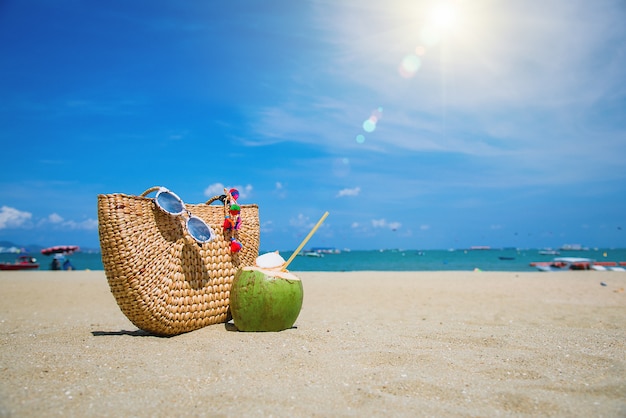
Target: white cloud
<point x="280" y="190"/>
<point x="300" y="221"/>
<point x="394" y="225"/>
<point x="267" y="227"/>
<point x="349" y="192"/>
<point x="244" y="191"/>
<point x="379" y="223"/>
<point x="61" y="223"/>
<point x="424" y="227"/>
<point x="217" y="189"/>
<point x="87" y="224"/>
<point x="382" y="223"/>
<point x="177" y="136"/>
<point x="13" y="218"/>
<point x="55" y="218"/>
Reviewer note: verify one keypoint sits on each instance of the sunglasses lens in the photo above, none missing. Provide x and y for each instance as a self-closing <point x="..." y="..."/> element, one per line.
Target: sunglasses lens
<point x="169" y="203"/>
<point x="199" y="230"/>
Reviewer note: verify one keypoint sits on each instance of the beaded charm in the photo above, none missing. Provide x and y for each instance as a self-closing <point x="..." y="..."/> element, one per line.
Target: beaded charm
<point x="229" y="224"/>
<point x="235" y="246"/>
<point x="232" y="218"/>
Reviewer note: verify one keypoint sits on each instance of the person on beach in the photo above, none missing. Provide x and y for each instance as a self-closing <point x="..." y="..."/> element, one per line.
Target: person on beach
<point x="56" y="264"/>
<point x="67" y="265"/>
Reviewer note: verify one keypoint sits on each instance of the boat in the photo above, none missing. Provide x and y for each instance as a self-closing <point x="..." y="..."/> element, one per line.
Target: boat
<point x="505" y="257"/>
<point x="609" y="265"/>
<point x="578" y="263"/>
<point x="573" y="263"/>
<point x="23" y="262"/>
<point x="549" y="252"/>
<point x="564" y="263"/>
<point x="573" y="247"/>
<point x="60" y="249"/>
<point x="326" y="250"/>
<point x="309" y="253"/>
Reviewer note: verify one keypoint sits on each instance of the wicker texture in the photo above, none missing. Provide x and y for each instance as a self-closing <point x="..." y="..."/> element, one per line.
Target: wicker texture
<point x="163" y="280"/>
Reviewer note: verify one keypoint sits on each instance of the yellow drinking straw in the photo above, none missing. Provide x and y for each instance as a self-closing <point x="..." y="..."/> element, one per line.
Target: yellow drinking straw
<point x="308" y="237"/>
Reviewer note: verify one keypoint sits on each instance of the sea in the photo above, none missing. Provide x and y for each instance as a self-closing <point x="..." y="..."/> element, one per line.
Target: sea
<point x="392" y="260"/>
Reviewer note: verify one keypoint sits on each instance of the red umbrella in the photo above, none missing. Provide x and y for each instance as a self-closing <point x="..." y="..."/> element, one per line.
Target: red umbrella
<point x="60" y="249"/>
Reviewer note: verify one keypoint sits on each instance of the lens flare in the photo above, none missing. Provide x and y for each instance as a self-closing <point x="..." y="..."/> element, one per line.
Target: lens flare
<point x="369" y="125"/>
<point x="409" y="66"/>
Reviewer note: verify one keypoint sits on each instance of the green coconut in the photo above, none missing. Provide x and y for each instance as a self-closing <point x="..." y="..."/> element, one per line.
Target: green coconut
<point x="264" y="299"/>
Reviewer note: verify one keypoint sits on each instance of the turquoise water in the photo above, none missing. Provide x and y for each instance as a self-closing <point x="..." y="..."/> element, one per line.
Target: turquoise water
<point x="437" y="260"/>
<point x="391" y="260"/>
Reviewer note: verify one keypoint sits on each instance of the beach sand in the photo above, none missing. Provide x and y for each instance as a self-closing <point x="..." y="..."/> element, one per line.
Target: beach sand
<point x="409" y="344"/>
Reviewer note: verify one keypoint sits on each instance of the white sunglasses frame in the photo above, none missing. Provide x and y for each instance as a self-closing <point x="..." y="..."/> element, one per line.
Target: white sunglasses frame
<point x="190" y="216"/>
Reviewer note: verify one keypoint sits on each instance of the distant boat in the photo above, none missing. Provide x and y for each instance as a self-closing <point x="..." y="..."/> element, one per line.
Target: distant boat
<point x="504" y="257"/>
<point x="549" y="252"/>
<point x="311" y="254"/>
<point x="23" y="262"/>
<point x="573" y="247"/>
<point x="326" y="250"/>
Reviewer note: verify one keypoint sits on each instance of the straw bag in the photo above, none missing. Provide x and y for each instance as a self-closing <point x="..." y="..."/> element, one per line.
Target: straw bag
<point x="164" y="281"/>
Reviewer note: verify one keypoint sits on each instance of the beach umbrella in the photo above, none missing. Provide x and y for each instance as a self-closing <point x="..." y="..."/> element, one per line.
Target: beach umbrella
<point x="60" y="249"/>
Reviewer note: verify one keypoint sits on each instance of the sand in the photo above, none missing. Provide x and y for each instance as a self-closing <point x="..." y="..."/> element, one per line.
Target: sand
<point x="408" y="344"/>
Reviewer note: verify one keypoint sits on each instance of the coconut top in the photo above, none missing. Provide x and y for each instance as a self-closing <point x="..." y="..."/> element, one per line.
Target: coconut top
<point x="270" y="260"/>
<point x="273" y="272"/>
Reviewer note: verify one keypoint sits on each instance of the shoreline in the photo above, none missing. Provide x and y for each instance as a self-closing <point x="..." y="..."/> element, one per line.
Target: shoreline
<point x="366" y="343"/>
<point x="408" y="260"/>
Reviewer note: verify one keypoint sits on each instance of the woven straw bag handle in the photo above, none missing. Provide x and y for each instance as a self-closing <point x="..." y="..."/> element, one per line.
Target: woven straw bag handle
<point x="150" y="190"/>
<point x="221" y="198"/>
<point x="208" y="202"/>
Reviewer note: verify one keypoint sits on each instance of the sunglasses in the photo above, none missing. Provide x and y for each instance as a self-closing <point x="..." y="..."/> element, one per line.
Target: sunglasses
<point x="173" y="205"/>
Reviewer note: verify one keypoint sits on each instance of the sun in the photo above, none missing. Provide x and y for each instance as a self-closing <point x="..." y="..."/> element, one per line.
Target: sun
<point x="442" y="22"/>
<point x="443" y="17"/>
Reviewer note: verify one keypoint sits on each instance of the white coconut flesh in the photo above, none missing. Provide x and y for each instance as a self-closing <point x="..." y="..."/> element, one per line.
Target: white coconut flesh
<point x="270" y="260"/>
<point x="272" y="272"/>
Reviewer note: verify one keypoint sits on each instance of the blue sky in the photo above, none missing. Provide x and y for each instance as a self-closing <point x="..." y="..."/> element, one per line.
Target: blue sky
<point x="416" y="124"/>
